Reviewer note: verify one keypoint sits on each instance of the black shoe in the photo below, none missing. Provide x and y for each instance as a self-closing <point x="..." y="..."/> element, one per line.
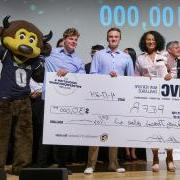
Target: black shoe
<point x="128" y="158"/>
<point x="69" y="172"/>
<point x="40" y="165"/>
<point x="134" y="159"/>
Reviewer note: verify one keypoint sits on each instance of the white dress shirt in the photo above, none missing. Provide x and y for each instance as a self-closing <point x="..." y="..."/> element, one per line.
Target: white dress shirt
<point x="145" y="66"/>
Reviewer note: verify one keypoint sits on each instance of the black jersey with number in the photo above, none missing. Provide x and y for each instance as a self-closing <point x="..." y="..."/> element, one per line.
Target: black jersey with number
<point x="14" y="79"/>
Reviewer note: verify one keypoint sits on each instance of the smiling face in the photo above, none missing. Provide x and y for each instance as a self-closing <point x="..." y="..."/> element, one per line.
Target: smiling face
<point x="70" y="43"/>
<point x="113" y="39"/>
<point x="150" y="43"/>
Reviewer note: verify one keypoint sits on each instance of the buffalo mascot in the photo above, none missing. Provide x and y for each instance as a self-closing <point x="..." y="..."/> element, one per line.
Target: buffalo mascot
<point x="22" y="49"/>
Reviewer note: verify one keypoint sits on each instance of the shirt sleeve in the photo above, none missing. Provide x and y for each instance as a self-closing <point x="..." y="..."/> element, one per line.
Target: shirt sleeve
<point x="95" y="64"/>
<point x="137" y="69"/>
<point x="82" y="69"/>
<point x="130" y="67"/>
<point x="165" y="57"/>
<point x="164" y="70"/>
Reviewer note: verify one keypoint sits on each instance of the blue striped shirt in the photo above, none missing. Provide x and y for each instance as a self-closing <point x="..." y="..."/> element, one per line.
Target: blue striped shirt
<point x="105" y="61"/>
<point x="60" y="59"/>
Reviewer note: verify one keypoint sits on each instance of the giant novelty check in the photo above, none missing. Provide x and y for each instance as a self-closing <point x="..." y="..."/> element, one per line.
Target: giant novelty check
<point x="99" y="110"/>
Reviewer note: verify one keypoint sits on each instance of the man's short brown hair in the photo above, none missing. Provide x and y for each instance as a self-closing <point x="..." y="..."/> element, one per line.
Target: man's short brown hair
<point x="70" y="32"/>
<point x="114" y="29"/>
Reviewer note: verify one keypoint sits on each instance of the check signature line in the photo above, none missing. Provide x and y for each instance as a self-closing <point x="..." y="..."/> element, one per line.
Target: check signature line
<point x="146" y="141"/>
<point x="162" y="117"/>
<point x="103" y="125"/>
<point x="82" y="120"/>
<point x="159" y="139"/>
<point x="90" y="122"/>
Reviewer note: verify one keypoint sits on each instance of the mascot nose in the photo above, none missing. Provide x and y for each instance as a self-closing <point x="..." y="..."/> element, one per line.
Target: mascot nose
<point x="25" y="49"/>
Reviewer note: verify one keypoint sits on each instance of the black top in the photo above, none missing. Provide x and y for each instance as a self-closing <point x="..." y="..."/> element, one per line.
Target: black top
<point x="88" y="68"/>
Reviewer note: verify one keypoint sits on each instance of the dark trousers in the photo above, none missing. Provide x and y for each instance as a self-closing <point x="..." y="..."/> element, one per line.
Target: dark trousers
<point x="45" y="154"/>
<point x="63" y="154"/>
<point x="37" y="105"/>
<point x="21" y="109"/>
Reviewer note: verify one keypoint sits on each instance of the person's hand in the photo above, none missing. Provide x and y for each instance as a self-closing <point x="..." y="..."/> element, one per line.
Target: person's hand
<point x="62" y="72"/>
<point x="35" y="94"/>
<point x="146" y="73"/>
<point x="168" y="77"/>
<point x="113" y="74"/>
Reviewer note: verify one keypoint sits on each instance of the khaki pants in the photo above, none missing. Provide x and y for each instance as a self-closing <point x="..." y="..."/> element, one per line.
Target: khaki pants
<point x="23" y="133"/>
<point x="93" y="154"/>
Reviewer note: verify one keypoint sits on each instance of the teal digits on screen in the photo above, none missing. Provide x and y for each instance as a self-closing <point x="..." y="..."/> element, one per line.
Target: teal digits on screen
<point x="132" y="16"/>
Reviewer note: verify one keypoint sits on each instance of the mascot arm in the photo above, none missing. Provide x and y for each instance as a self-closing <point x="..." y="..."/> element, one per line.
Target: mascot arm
<point x="2" y="52"/>
<point x="38" y="74"/>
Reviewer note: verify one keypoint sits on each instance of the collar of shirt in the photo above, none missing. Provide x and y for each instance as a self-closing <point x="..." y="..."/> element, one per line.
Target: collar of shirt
<point x="108" y="50"/>
<point x="62" y="50"/>
<point x="157" y="52"/>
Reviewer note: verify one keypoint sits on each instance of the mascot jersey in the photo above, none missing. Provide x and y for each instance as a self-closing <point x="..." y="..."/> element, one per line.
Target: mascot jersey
<point x="14" y="81"/>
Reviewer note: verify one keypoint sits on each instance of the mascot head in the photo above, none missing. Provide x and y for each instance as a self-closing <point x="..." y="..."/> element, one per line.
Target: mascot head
<point x="24" y="39"/>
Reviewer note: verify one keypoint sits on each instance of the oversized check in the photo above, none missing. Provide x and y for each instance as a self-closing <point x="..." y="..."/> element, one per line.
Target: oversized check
<point x="98" y="110"/>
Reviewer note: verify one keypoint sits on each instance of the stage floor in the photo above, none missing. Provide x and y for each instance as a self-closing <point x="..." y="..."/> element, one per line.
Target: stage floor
<point x="139" y="170"/>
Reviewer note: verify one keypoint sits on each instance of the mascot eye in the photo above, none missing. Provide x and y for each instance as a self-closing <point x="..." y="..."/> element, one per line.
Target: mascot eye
<point x="31" y="39"/>
<point x="22" y="36"/>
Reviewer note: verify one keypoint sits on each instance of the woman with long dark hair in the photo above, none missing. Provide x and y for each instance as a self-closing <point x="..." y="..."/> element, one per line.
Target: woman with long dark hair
<point x="151" y="63"/>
